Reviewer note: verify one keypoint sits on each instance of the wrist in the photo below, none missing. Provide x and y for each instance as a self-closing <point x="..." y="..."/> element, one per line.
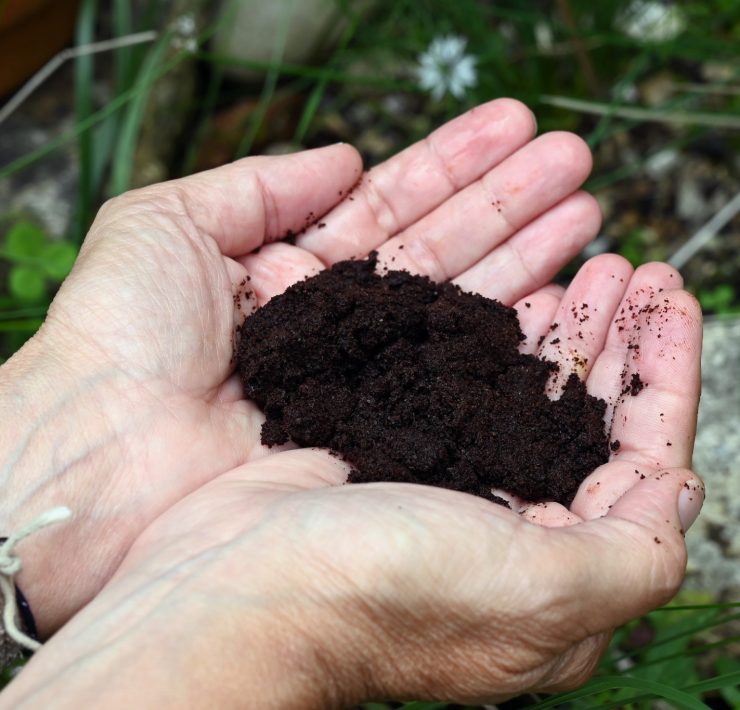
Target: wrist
<point x="157" y="637"/>
<point x="53" y="437"/>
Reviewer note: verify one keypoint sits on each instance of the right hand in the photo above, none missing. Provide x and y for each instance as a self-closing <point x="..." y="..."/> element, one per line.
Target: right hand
<point x="276" y="583"/>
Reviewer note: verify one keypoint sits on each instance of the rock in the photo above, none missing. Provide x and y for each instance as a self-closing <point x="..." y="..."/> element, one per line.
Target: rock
<point x="714" y="541"/>
<point x="691" y="204"/>
<point x="661" y="163"/>
<point x="45" y="192"/>
<point x="312" y="28"/>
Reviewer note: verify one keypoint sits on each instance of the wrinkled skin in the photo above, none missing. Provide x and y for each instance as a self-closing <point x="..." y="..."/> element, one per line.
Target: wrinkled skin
<point x="127" y="410"/>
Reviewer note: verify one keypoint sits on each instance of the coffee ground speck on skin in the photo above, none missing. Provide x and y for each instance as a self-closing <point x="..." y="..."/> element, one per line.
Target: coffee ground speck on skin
<point x="417" y="382"/>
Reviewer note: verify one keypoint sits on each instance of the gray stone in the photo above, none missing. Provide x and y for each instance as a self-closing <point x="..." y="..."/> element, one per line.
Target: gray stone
<point x="46" y="191"/>
<point x="253" y="28"/>
<point x="714" y="541"/>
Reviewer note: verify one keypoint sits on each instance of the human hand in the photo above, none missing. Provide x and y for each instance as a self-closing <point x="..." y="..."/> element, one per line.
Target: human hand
<point x="124" y="402"/>
<point x="276" y="583"/>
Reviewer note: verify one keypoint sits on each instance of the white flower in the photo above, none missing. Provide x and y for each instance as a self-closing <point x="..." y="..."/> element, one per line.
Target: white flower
<point x="445" y="67"/>
<point x="184" y="25"/>
<point x="543" y="36"/>
<point x="184" y="28"/>
<point x="652" y="21"/>
<point x="626" y="93"/>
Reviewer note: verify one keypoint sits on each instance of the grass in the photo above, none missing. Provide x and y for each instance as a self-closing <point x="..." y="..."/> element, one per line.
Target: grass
<point x="671" y="666"/>
<point x="685" y="661"/>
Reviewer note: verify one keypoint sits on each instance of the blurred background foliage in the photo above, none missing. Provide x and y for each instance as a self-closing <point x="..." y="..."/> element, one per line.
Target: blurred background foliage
<point x="651" y="85"/>
<point x="149" y="89"/>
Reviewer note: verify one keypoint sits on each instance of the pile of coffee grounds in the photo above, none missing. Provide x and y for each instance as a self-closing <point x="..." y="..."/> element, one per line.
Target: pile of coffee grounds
<point x="415" y="381"/>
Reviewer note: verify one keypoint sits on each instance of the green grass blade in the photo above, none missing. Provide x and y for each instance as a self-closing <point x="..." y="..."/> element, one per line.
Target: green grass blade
<point x="690" y="652"/>
<point x="84" y="105"/>
<point x="208" y="107"/>
<point x="310" y="110"/>
<point x="728" y="680"/>
<point x="24" y="325"/>
<point x="270" y="84"/>
<point x="123" y="158"/>
<point x="679" y="698"/>
<point x="34" y="312"/>
<point x="105" y="136"/>
<point x="112" y="107"/>
<point x="693" y="607"/>
<point x="729" y="691"/>
<point x="685" y="633"/>
<point x="301" y="70"/>
<point x="314" y="100"/>
<point x="124" y="60"/>
<point x="639" y="66"/>
<point x="640" y="113"/>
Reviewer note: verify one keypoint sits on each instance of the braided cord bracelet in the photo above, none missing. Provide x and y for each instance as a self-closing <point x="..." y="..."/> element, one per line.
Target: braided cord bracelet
<point x="26" y="637"/>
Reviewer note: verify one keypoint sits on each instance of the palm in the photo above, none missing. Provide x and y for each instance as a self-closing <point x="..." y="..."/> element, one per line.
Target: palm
<point x="477" y="200"/>
<point x="411" y="549"/>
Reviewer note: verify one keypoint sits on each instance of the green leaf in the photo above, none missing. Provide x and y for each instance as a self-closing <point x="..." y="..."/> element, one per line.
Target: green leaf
<point x="84" y="72"/>
<point x="26" y="283"/>
<point x="24" y="240"/>
<point x="729" y="688"/>
<point x="58" y="259"/>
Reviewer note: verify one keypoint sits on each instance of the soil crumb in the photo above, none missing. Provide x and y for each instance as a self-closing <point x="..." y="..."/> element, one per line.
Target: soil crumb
<point x="418" y="382"/>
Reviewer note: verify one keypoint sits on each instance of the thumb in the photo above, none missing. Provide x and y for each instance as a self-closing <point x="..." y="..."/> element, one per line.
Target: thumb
<point x="672" y="497"/>
<point x="634" y="559"/>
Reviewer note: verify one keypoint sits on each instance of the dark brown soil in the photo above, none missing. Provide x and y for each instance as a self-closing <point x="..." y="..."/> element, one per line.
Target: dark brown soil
<point x="418" y="382"/>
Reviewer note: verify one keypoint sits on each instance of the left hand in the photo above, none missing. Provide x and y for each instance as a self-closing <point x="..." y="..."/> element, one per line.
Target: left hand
<point x="125" y="401"/>
<point x="276" y="587"/>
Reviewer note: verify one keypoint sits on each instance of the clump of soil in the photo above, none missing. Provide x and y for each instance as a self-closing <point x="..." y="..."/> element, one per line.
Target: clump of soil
<point x="418" y="382"/>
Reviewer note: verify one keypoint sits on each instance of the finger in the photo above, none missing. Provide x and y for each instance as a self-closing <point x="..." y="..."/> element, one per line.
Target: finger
<point x="536" y="313"/>
<point x="609" y="374"/>
<point x="655" y="425"/>
<point x="654" y="504"/>
<point x="583" y="318"/>
<point x="411" y="184"/>
<point x="464" y="229"/>
<point x="537" y="252"/>
<point x="633" y="560"/>
<point x="606" y="485"/>
<point x="549" y="515"/>
<point x="257" y="199"/>
<point x="277" y="266"/>
<point x="243" y="296"/>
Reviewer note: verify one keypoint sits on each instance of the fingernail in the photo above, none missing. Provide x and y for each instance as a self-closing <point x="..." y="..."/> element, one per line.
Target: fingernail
<point x="690" y="500"/>
<point x="534" y="119"/>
